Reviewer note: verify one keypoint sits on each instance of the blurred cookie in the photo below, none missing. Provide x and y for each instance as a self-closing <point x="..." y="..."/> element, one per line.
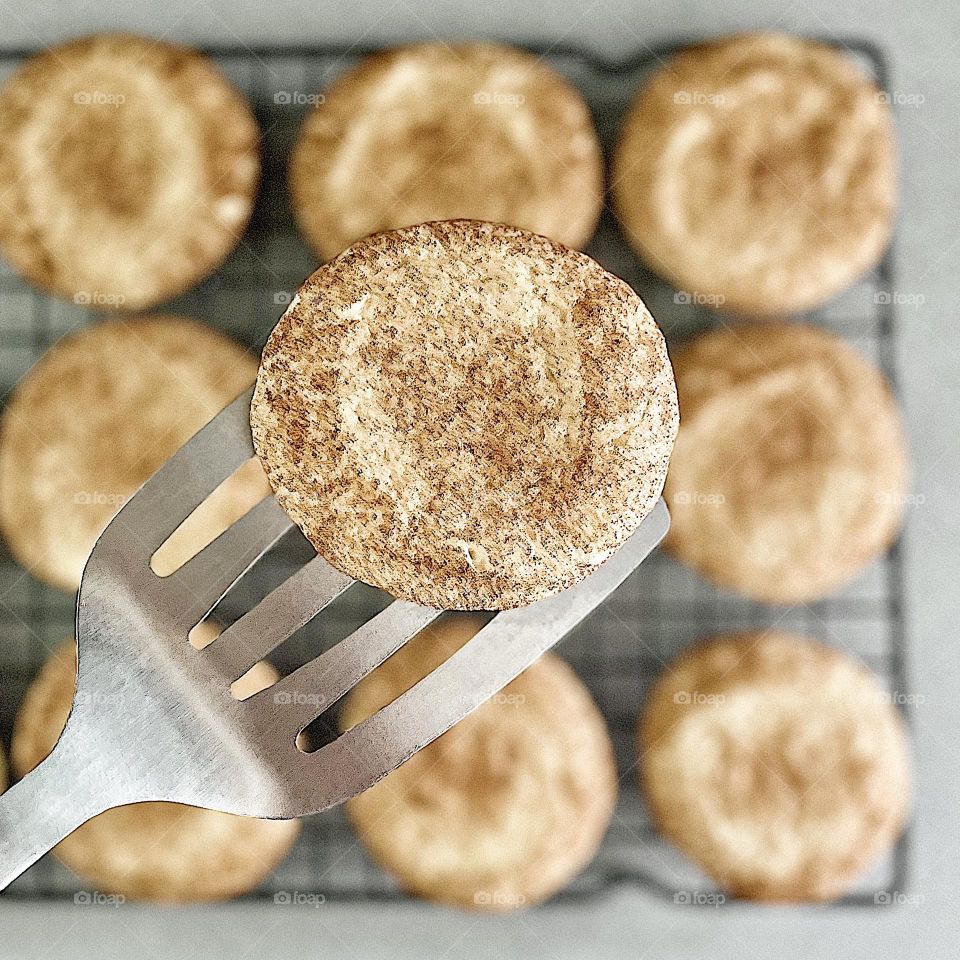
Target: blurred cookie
<point x="128" y="170"/>
<point x="760" y="171"/>
<point x="164" y="852"/>
<point x="504" y="809"/>
<point x="790" y="470"/>
<point x="464" y="414"/>
<point x="441" y="131"/>
<point x="98" y="415"/>
<point x="778" y="765"/>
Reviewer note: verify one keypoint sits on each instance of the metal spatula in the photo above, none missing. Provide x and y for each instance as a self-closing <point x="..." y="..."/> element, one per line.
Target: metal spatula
<point x="154" y="718"/>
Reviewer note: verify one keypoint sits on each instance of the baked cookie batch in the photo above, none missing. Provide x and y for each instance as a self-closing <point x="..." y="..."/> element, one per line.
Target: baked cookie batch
<point x="129" y="170"/>
<point x="101" y="412"/>
<point x="494" y="415"/>
<point x="504" y="809"/>
<point x="778" y="764"/>
<point x="442" y="132"/>
<point x="758" y="171"/>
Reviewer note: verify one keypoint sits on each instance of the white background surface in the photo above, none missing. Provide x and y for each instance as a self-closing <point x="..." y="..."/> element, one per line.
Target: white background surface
<point x="923" y="43"/>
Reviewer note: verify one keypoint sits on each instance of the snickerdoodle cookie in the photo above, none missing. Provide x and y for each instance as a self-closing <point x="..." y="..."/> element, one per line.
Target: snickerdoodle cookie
<point x="465" y="414"/>
<point x="439" y="131"/>
<point x="164" y="852"/>
<point x="505" y="808"/>
<point x="759" y="170"/>
<point x="96" y="416"/>
<point x="790" y="471"/>
<point x="780" y="766"/>
<point x="128" y="170"/>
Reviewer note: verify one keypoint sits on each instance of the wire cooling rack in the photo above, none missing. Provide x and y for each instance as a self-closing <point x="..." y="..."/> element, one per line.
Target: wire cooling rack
<point x="621" y="648"/>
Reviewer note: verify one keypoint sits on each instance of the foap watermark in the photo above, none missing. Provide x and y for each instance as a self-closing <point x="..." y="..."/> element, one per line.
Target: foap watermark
<point x="900" y="98"/>
<point x="695" y="698"/>
<point x="509" y="699"/>
<point x="498" y="98"/>
<point x="98" y="298"/>
<point x="900" y="698"/>
<point x="298" y="898"/>
<point x="99" y="98"/>
<point x="899" y="499"/>
<point x="100" y="498"/>
<point x="97" y="698"/>
<point x="699" y="898"/>
<point x="94" y="898"/>
<point x="298" y="98"/>
<point x="899" y="298"/>
<point x="297" y="698"/>
<point x="698" y="98"/>
<point x="696" y="298"/>
<point x="698" y="498"/>
<point x="897" y="898"/>
<point x="498" y="898"/>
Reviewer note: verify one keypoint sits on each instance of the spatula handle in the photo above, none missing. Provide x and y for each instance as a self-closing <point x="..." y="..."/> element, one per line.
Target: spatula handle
<point x="49" y="803"/>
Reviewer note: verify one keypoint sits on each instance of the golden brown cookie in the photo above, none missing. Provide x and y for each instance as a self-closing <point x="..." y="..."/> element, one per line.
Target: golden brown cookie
<point x="778" y="765"/>
<point x="440" y="131"/>
<point x="164" y="852"/>
<point x="128" y="170"/>
<point x="505" y="808"/>
<point x="100" y="413"/>
<point x="790" y="470"/>
<point x="464" y="414"/>
<point x="758" y="171"/>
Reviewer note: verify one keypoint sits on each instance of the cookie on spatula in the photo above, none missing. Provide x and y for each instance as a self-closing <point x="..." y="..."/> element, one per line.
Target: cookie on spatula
<point x="465" y="414"/>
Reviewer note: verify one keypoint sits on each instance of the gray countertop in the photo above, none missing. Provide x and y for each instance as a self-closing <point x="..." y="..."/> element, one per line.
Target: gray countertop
<point x="923" y="43"/>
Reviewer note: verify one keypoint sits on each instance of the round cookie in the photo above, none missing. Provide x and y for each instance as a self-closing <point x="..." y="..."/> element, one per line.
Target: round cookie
<point x="464" y="414"/>
<point x="505" y="808"/>
<point x="758" y="171"/>
<point x="778" y="765"/>
<point x="128" y="170"/>
<point x="98" y="415"/>
<point x="440" y="131"/>
<point x="790" y="469"/>
<point x="162" y="852"/>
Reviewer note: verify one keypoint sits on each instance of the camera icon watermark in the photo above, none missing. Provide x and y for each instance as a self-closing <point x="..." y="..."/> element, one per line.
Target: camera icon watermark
<point x="98" y="298"/>
<point x="99" y="98"/>
<point x="900" y="98"/>
<point x="888" y="497"/>
<point x="499" y="898"/>
<point x="695" y="698"/>
<point x="97" y="698"/>
<point x="698" y="498"/>
<point x="696" y="298"/>
<point x="899" y="298"/>
<point x="297" y="698"/>
<point x="699" y="898"/>
<point x="498" y="98"/>
<point x="94" y="898"/>
<point x="900" y="698"/>
<point x="298" y="898"/>
<point x="298" y="98"/>
<point x="897" y="898"/>
<point x="99" y="498"/>
<point x="698" y="98"/>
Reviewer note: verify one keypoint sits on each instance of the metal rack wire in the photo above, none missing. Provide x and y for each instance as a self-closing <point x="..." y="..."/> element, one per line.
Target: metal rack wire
<point x="623" y="646"/>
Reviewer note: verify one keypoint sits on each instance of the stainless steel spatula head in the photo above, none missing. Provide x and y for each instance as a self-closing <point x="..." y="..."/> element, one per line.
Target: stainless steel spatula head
<point x="154" y="718"/>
